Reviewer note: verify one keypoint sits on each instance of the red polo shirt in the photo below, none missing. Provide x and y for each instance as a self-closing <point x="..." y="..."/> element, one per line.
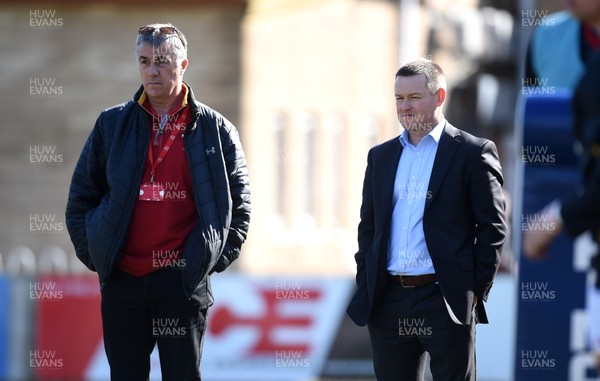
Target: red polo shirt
<point x="158" y="229"/>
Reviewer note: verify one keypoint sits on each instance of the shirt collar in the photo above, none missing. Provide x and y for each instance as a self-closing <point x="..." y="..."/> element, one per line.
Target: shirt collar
<point x="435" y="133"/>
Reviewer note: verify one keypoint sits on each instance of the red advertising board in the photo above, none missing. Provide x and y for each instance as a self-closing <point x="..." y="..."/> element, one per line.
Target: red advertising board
<point x="68" y="326"/>
<point x="258" y="328"/>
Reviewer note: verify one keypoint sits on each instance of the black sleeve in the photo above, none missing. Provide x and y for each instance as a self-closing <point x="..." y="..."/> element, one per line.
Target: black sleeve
<point x="530" y="77"/>
<point x="581" y="212"/>
<point x="88" y="186"/>
<point x="239" y="183"/>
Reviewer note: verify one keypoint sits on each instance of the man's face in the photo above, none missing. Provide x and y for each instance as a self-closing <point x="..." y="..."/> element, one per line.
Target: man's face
<point x="160" y="74"/>
<point x="586" y="10"/>
<point x="418" y="110"/>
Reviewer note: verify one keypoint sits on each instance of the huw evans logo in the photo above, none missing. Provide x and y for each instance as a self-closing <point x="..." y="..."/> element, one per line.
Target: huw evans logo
<point x="167" y="259"/>
<point x="415" y="123"/>
<point x="44" y="291"/>
<point x="167" y="123"/>
<point x="416" y="191"/>
<point x="173" y="191"/>
<point x="45" y="223"/>
<point x="536" y="18"/>
<point x="537" y="222"/>
<point x="45" y="155"/>
<point x="290" y="359"/>
<point x="291" y="291"/>
<point x="537" y="292"/>
<point x="168" y="328"/>
<point x="44" y="86"/>
<point x="537" y="360"/>
<point x="414" y="258"/>
<point x="537" y="86"/>
<point x="44" y="19"/>
<point x="413" y="327"/>
<point x="44" y="360"/>
<point x="537" y="155"/>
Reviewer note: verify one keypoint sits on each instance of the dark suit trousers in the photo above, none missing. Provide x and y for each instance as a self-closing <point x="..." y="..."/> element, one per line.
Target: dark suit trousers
<point x="141" y="312"/>
<point x="411" y="321"/>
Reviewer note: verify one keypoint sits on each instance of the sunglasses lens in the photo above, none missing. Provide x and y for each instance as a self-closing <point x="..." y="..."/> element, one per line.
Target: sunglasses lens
<point x="146" y="30"/>
<point x="166" y="30"/>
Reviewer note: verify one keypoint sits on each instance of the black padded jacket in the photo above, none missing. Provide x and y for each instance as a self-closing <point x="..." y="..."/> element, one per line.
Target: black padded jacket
<point x="106" y="181"/>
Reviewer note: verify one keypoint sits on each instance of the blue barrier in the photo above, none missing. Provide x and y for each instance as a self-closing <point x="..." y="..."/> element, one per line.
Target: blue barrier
<point x="550" y="292"/>
<point x="4" y="326"/>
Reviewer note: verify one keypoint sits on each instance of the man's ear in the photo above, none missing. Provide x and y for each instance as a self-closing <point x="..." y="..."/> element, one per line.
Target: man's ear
<point x="184" y="64"/>
<point x="441" y="96"/>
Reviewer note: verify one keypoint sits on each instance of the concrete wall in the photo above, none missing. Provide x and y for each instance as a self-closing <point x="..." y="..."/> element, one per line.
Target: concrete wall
<point x="317" y="93"/>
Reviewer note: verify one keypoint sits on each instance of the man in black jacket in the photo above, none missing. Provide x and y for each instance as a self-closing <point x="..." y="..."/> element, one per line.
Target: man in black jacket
<point x="158" y="201"/>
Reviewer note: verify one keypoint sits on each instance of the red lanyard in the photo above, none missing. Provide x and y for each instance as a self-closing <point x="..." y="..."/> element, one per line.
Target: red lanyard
<point x="167" y="146"/>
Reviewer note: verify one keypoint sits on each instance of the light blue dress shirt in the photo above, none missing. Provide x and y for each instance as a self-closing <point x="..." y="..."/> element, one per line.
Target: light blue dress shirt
<point x="407" y="250"/>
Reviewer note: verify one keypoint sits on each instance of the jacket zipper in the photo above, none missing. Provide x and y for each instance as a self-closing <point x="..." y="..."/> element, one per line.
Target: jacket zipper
<point x="193" y="176"/>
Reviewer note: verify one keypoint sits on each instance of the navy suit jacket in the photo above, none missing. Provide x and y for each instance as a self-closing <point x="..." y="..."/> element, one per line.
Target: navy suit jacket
<point x="463" y="222"/>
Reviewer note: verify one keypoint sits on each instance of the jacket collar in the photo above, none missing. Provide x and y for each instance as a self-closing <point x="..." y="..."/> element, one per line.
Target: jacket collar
<point x="140" y="97"/>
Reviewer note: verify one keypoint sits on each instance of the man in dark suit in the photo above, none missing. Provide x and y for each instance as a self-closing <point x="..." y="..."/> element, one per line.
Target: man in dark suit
<point x="429" y="239"/>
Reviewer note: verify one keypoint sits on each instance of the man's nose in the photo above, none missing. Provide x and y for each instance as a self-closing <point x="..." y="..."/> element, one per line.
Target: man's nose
<point x="152" y="70"/>
<point x="405" y="104"/>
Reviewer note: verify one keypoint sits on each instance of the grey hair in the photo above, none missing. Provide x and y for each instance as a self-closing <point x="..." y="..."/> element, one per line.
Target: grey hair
<point x="174" y="44"/>
<point x="434" y="75"/>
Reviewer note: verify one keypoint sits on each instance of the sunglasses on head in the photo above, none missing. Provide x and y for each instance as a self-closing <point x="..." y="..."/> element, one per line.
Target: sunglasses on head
<point x="166" y="30"/>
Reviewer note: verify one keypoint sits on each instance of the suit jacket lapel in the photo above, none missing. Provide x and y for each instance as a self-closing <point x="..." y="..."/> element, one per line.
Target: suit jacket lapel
<point x="449" y="142"/>
<point x="387" y="174"/>
<point x="387" y="165"/>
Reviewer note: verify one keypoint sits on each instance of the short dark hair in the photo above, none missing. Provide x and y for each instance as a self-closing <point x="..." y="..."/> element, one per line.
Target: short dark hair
<point x="434" y="75"/>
